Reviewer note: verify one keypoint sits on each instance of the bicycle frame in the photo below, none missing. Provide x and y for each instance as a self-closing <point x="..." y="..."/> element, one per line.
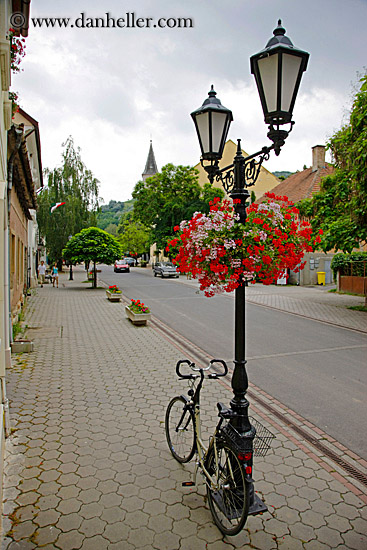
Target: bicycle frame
<point x="201" y="449"/>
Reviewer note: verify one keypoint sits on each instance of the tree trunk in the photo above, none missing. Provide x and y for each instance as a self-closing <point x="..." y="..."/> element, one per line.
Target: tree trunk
<point x="94" y="275"/>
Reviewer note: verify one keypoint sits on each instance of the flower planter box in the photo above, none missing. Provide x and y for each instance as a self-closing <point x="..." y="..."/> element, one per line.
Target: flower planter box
<point x="138" y="318"/>
<point x="113" y="296"/>
<point x="21" y="346"/>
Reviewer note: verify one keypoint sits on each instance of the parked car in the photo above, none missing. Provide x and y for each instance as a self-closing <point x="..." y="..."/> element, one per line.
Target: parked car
<point x="165" y="269"/>
<point x="130" y="261"/>
<point x="121" y="266"/>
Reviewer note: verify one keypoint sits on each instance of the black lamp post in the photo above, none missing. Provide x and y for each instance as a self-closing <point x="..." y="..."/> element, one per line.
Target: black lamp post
<point x="278" y="71"/>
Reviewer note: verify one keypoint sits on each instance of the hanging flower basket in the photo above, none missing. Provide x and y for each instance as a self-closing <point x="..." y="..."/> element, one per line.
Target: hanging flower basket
<point x="222" y="253"/>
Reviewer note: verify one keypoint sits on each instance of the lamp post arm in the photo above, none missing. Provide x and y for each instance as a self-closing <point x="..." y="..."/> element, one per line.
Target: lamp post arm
<point x="264" y="151"/>
<point x="247" y="169"/>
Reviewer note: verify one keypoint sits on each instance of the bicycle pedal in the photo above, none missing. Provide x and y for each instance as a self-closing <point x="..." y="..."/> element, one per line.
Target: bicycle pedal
<point x="188" y="484"/>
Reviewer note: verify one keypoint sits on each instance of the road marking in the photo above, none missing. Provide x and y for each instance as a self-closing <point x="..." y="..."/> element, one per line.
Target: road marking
<point x="322" y="350"/>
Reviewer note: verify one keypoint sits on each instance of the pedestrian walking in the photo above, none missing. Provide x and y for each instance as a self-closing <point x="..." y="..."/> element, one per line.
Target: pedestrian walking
<point x="55" y="276"/>
<point x="41" y="272"/>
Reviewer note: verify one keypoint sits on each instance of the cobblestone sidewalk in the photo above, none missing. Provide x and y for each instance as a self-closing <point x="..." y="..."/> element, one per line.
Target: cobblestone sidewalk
<point x="87" y="465"/>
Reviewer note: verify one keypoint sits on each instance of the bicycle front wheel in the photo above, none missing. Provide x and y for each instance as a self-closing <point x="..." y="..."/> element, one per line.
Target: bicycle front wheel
<point x="228" y="496"/>
<point x="180" y="432"/>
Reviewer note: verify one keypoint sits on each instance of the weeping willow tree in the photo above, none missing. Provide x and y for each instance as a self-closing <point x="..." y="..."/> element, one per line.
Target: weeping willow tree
<point x="73" y="184"/>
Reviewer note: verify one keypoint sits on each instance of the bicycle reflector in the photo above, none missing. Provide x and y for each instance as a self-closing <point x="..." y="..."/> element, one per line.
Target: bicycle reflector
<point x="244" y="457"/>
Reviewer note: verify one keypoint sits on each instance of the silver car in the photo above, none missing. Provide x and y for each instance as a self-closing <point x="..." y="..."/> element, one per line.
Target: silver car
<point x="165" y="269"/>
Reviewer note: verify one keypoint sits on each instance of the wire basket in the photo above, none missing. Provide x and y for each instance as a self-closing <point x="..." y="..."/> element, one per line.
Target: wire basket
<point x="259" y="445"/>
<point x="263" y="438"/>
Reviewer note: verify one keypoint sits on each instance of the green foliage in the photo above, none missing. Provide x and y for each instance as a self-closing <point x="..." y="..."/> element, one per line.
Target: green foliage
<point x="340" y="208"/>
<point x="17" y="329"/>
<point x="133" y="237"/>
<point x="350" y="264"/>
<point x="167" y="198"/>
<point x="112" y="229"/>
<point x="113" y="206"/>
<point x="92" y="245"/>
<point x="110" y="215"/>
<point x="75" y="185"/>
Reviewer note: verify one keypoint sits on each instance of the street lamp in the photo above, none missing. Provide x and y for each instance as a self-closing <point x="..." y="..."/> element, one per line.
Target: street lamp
<point x="212" y="121"/>
<point x="278" y="71"/>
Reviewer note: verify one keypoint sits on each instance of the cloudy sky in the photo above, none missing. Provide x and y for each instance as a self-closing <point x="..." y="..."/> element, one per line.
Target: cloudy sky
<point x="114" y="89"/>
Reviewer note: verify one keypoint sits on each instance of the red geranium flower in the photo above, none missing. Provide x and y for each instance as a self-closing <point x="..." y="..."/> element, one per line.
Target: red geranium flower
<point x="221" y="253"/>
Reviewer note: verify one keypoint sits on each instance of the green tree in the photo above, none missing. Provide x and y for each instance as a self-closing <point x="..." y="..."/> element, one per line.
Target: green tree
<point x="92" y="245"/>
<point x="112" y="229"/>
<point x="340" y="208"/>
<point x="167" y="198"/>
<point x="75" y="185"/>
<point x="133" y="237"/>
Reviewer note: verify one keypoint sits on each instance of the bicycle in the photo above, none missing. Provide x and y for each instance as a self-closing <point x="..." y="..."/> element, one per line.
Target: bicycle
<point x="226" y="468"/>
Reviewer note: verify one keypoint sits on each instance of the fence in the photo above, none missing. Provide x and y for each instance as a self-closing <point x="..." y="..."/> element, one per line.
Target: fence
<point x="352" y="277"/>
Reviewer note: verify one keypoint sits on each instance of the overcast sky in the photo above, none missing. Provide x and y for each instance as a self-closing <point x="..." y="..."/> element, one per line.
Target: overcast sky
<point x="114" y="89"/>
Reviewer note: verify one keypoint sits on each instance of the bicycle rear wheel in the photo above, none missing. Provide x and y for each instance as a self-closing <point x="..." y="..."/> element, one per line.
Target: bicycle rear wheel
<point x="229" y="500"/>
<point x="180" y="432"/>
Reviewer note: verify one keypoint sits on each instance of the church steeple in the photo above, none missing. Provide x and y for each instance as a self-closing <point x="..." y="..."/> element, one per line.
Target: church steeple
<point x="151" y="165"/>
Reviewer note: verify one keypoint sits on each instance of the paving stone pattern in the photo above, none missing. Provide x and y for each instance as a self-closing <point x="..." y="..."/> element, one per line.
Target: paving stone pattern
<point x="88" y="467"/>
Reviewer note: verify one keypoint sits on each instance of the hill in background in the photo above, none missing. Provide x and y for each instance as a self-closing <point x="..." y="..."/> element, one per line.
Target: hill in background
<point x="110" y="214"/>
<point x="282" y="175"/>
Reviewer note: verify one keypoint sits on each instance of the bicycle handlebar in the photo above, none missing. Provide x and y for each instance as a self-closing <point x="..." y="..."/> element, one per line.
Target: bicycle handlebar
<point x="200" y="370"/>
<point x="224" y="365"/>
<point x="183" y="362"/>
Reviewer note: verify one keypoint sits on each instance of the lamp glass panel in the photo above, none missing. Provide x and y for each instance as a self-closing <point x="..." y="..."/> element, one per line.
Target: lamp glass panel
<point x="290" y="69"/>
<point x="268" y="68"/>
<point x="218" y="128"/>
<point x="202" y="121"/>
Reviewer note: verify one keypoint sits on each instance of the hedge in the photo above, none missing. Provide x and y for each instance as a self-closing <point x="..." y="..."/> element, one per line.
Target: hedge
<point x="350" y="264"/>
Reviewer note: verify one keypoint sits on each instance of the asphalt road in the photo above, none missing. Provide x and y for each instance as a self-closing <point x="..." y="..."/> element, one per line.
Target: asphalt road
<point x="316" y="369"/>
